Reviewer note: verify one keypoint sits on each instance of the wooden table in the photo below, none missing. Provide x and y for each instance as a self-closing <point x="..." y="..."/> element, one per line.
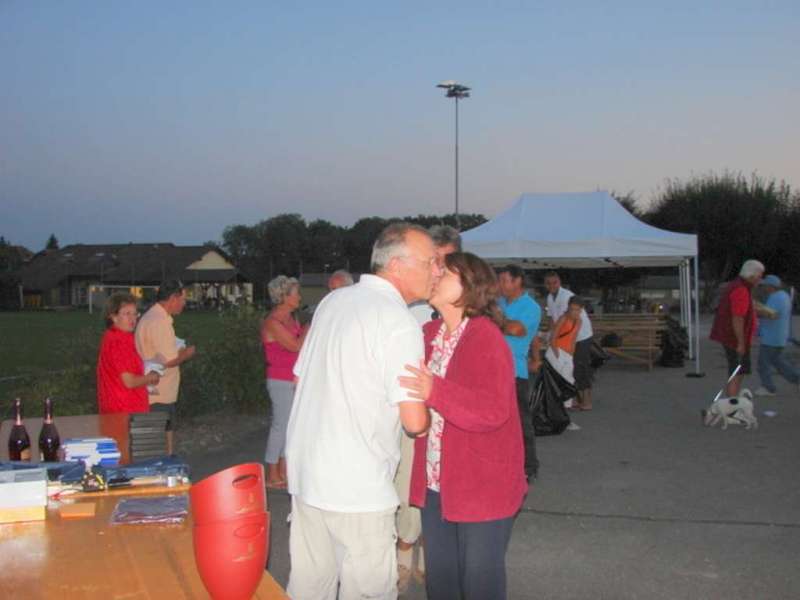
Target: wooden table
<point x="87" y="559"/>
<point x="112" y="425"/>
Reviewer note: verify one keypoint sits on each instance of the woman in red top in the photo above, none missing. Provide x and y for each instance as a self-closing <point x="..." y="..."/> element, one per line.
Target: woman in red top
<point x="468" y="475"/>
<point x="121" y="380"/>
<point x="282" y="336"/>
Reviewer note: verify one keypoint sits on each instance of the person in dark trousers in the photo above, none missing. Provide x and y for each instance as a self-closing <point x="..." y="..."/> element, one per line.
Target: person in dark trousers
<point x="773" y="330"/>
<point x="521" y="322"/>
<point x="735" y="322"/>
<point x="468" y="474"/>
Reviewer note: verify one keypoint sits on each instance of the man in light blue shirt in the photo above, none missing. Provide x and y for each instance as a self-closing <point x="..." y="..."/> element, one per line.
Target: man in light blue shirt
<point x="774" y="333"/>
<point x="522" y="317"/>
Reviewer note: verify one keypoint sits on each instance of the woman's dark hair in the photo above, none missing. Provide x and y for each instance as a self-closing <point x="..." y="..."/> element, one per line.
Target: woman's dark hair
<point x="114" y="303"/>
<point x="577" y="300"/>
<point x="479" y="297"/>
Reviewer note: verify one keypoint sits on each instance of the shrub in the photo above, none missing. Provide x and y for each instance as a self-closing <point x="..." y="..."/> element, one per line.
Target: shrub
<point x="74" y="388"/>
<point x="227" y="373"/>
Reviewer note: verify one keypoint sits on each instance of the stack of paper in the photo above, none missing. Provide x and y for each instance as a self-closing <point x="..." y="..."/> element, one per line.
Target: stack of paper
<point x="147" y="437"/>
<point x="92" y="451"/>
<point x="23" y="495"/>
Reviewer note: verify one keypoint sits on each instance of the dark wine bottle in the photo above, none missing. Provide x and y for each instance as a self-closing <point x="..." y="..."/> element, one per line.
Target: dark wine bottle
<point x="49" y="442"/>
<point x="19" y="444"/>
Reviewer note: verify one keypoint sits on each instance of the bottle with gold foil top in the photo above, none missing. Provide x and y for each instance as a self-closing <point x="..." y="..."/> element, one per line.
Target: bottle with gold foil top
<point x="49" y="440"/>
<point x="19" y="444"/>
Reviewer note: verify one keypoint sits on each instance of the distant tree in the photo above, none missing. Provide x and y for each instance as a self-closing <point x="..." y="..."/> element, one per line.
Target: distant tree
<point x="628" y="201"/>
<point x="238" y="241"/>
<point x="784" y="261"/>
<point x="52" y="242"/>
<point x="466" y="222"/>
<point x="358" y="241"/>
<point x="325" y="247"/>
<point x="285" y="240"/>
<point x="735" y="218"/>
<point x="285" y="244"/>
<point x="5" y="255"/>
<point x="426" y="221"/>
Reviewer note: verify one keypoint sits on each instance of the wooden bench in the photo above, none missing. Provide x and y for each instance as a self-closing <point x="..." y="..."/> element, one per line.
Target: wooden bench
<point x="640" y="336"/>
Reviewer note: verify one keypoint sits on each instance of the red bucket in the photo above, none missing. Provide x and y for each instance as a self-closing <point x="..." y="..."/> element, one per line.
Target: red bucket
<point x="231" y="555"/>
<point x="235" y="492"/>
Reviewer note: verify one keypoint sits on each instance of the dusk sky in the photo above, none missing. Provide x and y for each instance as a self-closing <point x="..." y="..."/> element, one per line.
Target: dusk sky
<point x="167" y="121"/>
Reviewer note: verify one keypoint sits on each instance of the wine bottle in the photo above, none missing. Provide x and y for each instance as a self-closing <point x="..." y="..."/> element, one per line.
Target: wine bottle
<point x="19" y="444"/>
<point x="49" y="441"/>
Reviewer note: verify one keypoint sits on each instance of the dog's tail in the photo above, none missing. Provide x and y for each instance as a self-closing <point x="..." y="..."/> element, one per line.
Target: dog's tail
<point x="746" y="393"/>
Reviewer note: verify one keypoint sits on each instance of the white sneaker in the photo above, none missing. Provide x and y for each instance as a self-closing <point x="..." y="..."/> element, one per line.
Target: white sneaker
<point x="762" y="391"/>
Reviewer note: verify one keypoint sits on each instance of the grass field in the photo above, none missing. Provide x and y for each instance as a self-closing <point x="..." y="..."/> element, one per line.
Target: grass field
<point x="34" y="343"/>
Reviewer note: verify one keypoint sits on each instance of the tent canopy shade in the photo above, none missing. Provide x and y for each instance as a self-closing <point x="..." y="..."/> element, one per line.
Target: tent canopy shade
<point x="576" y="230"/>
<point x="587" y="230"/>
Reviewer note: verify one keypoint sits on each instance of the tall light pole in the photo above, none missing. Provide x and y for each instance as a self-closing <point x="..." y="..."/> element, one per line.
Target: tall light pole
<point x="456" y="91"/>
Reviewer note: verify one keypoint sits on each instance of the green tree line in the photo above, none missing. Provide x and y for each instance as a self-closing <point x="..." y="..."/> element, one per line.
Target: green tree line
<point x="287" y="244"/>
<point x="735" y="218"/>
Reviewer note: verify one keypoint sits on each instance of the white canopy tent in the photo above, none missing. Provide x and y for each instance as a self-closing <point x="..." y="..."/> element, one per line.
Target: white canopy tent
<point x="588" y="230"/>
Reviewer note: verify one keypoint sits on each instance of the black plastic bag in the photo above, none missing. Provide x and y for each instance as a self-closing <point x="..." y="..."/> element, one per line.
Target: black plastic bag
<point x="547" y="401"/>
<point x="611" y="340"/>
<point x="674" y="343"/>
<point x="597" y="356"/>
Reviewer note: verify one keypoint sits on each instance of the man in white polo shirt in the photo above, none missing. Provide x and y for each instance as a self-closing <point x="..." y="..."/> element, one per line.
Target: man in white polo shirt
<point x="343" y="438"/>
<point x="557" y="303"/>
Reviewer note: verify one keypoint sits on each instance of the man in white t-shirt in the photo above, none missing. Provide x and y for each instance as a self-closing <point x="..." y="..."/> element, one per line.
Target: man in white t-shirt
<point x="557" y="302"/>
<point x="343" y="438"/>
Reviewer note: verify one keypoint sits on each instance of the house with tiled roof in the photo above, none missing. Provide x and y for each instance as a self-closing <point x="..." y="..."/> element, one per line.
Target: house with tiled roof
<point x="71" y="275"/>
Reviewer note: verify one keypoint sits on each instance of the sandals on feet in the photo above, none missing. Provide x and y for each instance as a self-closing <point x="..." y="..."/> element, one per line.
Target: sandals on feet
<point x="278" y="484"/>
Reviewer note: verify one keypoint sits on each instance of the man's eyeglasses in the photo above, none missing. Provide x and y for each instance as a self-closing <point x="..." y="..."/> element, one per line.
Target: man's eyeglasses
<point x="428" y="262"/>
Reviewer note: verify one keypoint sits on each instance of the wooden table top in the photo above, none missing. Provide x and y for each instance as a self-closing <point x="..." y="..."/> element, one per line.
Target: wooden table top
<point x="91" y="559"/>
<point x="112" y="425"/>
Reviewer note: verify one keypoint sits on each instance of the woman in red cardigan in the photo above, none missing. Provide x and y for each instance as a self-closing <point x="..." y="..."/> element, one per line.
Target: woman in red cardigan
<point x="468" y="475"/>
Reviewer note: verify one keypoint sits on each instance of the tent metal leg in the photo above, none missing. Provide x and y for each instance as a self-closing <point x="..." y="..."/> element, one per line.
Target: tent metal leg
<point x="688" y="286"/>
<point x="697" y="314"/>
<point x="682" y="291"/>
<point x="697" y="372"/>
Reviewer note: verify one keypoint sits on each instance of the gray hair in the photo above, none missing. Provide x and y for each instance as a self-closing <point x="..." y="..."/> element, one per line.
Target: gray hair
<point x="751" y="268"/>
<point x="391" y="243"/>
<point x="444" y="235"/>
<point x="280" y="287"/>
<point x="344" y="275"/>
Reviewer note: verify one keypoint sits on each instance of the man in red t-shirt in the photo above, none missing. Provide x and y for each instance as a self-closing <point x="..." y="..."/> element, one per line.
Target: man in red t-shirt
<point x="736" y="321"/>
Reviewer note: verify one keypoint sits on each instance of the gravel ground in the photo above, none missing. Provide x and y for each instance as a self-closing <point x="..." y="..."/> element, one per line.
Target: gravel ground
<point x="641" y="502"/>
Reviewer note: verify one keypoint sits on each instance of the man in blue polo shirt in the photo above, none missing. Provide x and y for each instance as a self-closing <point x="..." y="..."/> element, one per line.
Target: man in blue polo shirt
<point x="522" y="316"/>
<point x="773" y="329"/>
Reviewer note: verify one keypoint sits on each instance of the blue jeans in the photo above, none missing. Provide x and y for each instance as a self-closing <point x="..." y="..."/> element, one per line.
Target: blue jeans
<point x="771" y="357"/>
<point x="464" y="561"/>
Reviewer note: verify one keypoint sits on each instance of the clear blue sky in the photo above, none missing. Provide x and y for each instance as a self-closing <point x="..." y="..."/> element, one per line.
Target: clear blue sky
<point x="166" y="121"/>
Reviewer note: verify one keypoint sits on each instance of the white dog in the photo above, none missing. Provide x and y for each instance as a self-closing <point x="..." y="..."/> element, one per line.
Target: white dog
<point x="736" y="410"/>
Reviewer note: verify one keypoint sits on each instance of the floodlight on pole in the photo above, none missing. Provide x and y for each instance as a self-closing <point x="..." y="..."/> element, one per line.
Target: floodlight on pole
<point x="456" y="91"/>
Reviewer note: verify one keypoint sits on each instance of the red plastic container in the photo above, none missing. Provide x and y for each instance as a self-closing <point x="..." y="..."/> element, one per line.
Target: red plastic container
<point x="231" y="555"/>
<point x="234" y="492"/>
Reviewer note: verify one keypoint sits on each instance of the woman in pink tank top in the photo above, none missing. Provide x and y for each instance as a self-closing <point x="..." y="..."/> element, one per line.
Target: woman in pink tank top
<point x="282" y="337"/>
